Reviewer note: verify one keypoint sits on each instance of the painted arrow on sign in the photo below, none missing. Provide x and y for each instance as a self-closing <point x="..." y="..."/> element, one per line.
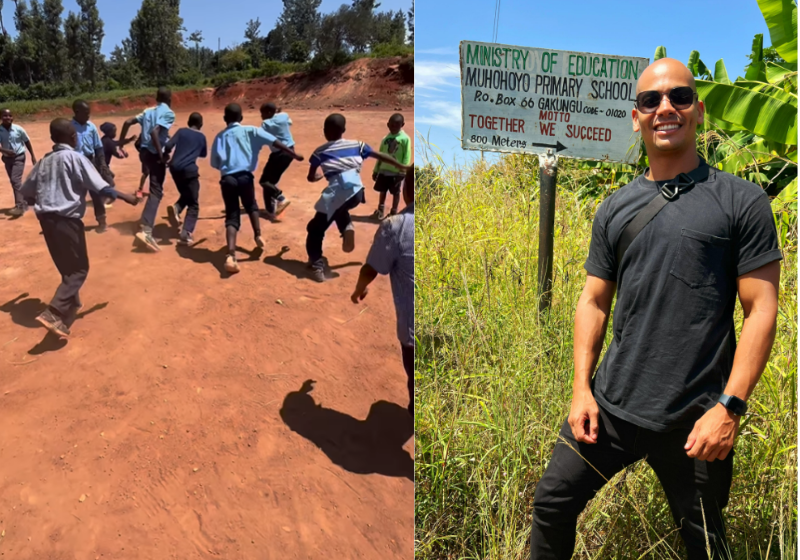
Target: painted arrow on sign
<point x="558" y="145"/>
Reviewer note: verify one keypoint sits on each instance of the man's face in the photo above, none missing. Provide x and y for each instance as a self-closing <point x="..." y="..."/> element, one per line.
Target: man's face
<point x="7" y="118"/>
<point x="667" y="130"/>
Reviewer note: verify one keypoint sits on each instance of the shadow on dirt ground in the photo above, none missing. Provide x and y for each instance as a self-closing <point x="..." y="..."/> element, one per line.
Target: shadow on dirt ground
<point x="373" y="445"/>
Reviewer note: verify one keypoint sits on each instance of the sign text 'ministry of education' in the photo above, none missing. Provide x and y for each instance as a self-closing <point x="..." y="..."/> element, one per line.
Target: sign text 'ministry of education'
<point x="525" y="100"/>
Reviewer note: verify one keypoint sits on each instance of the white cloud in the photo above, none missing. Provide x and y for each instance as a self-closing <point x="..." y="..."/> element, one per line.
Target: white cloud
<point x="444" y="114"/>
<point x="435" y="75"/>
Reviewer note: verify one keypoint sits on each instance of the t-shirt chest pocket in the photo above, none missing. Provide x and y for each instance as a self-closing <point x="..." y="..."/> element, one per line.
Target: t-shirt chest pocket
<point x="701" y="259"/>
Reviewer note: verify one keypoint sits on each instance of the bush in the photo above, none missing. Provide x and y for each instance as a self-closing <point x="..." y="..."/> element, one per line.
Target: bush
<point x="11" y="92"/>
<point x="188" y="77"/>
<point x="386" y="50"/>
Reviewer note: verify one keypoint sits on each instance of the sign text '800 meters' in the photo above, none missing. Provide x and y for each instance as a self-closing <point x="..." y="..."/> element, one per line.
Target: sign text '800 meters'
<point x="520" y="99"/>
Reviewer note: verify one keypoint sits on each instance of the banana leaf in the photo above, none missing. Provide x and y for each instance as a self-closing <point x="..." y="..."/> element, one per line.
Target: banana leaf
<point x="781" y="19"/>
<point x="762" y="114"/>
<point x="661" y="52"/>
<point x="756" y="72"/>
<point x="720" y="73"/>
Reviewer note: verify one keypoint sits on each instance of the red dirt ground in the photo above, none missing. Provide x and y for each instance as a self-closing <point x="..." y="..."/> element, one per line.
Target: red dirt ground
<point x="173" y="424"/>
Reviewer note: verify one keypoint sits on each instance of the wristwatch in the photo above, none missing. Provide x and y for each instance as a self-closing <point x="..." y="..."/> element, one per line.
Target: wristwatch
<point x="734" y="404"/>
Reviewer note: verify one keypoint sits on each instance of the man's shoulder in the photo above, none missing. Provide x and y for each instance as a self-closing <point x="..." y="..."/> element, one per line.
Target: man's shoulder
<point x="744" y="191"/>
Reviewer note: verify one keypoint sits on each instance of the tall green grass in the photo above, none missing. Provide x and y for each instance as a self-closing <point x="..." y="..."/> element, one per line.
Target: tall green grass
<point x="494" y="383"/>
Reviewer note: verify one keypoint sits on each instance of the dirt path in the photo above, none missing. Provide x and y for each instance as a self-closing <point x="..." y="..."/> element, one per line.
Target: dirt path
<point x="175" y="423"/>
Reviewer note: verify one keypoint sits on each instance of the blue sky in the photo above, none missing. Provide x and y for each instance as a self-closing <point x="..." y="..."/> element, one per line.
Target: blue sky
<point x="226" y="24"/>
<point x="717" y="29"/>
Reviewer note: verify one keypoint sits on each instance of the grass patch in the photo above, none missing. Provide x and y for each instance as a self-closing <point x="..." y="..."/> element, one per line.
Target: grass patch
<point x="494" y="384"/>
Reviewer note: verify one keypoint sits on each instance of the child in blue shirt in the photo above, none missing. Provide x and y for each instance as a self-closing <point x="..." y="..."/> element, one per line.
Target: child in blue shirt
<point x="341" y="162"/>
<point x="189" y="144"/>
<point x="235" y="153"/>
<point x="276" y="123"/>
<point x="89" y="144"/>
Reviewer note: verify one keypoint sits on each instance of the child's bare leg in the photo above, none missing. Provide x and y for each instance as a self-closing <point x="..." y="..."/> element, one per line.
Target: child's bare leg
<point x="395" y="202"/>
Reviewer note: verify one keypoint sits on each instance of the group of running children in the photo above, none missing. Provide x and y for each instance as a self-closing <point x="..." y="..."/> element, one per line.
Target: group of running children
<point x="80" y="164"/>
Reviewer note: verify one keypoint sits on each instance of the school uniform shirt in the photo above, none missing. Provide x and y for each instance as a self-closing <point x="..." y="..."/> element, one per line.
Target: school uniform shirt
<point x="278" y="126"/>
<point x="189" y="145"/>
<point x="13" y="138"/>
<point x="59" y="182"/>
<point x="341" y="162"/>
<point x="235" y="149"/>
<point x="88" y="138"/>
<point x="160" y="115"/>
<point x="392" y="253"/>
<point x="399" y="147"/>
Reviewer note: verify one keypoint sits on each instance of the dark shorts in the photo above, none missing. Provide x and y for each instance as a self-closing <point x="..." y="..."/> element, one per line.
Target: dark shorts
<point x="389" y="183"/>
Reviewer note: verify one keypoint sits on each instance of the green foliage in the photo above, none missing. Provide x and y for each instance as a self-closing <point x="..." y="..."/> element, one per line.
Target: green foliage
<point x="781" y="18"/>
<point x="63" y="54"/>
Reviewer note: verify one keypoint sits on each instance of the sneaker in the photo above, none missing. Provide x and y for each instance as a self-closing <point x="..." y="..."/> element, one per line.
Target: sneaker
<point x="349" y="240"/>
<point x="185" y="239"/>
<point x="280" y="207"/>
<point x="317" y="274"/>
<point x="53" y="324"/>
<point x="173" y="216"/>
<point x="146" y="239"/>
<point x="16" y="211"/>
<point x="259" y="242"/>
<point x="231" y="265"/>
<point x="378" y="214"/>
<point x="102" y="226"/>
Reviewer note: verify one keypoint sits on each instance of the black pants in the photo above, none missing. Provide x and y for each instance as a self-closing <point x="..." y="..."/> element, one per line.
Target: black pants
<point x="235" y="187"/>
<point x="66" y="242"/>
<point x="158" y="172"/>
<point x="408" y="364"/>
<point x="320" y="223"/>
<point x="277" y="164"/>
<point x="188" y="186"/>
<point x="571" y="481"/>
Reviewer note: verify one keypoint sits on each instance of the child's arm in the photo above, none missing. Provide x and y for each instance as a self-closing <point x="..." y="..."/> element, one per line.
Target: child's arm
<point x="313" y="176"/>
<point x="380" y="260"/>
<point x="91" y="180"/>
<point x="286" y="149"/>
<point x="126" y="125"/>
<point x="216" y="162"/>
<point x="386" y="158"/>
<point x="8" y="153"/>
<point x="30" y="149"/>
<point x="157" y="142"/>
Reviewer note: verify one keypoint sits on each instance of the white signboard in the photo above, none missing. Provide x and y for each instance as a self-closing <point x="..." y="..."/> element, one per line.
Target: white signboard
<point x="526" y="100"/>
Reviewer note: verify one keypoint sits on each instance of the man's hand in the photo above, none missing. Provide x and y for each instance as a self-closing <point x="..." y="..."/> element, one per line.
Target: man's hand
<point x="8" y="153"/>
<point x="583" y="417"/>
<point x="359" y="294"/>
<point x="713" y="435"/>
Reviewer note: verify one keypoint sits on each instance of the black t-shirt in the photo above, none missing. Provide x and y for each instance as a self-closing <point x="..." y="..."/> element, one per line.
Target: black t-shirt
<point x="189" y="145"/>
<point x="674" y="336"/>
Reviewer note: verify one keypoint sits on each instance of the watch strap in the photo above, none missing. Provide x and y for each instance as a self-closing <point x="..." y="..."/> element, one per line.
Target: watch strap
<point x="734" y="404"/>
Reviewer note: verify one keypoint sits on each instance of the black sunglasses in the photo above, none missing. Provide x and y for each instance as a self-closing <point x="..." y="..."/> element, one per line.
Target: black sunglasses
<point x="681" y="98"/>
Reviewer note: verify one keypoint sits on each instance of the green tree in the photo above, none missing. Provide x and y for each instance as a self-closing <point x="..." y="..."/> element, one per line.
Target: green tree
<point x="388" y="28"/>
<point x="411" y="24"/>
<point x="196" y="37"/>
<point x="91" y="40"/>
<point x="156" y="39"/>
<point x="72" y="42"/>
<point x="294" y="34"/>
<point x="25" y="42"/>
<point x="52" y="37"/>
<point x="254" y="44"/>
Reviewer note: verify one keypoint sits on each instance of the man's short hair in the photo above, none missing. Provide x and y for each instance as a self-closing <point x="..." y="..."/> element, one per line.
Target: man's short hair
<point x="196" y="119"/>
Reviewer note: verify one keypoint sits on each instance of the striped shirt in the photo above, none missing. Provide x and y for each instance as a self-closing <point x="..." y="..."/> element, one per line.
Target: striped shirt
<point x="340" y="155"/>
<point x="59" y="182"/>
<point x="392" y="253"/>
<point x="13" y="138"/>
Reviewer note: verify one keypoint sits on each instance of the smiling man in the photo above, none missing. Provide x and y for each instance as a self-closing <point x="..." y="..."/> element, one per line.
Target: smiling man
<point x="677" y="246"/>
